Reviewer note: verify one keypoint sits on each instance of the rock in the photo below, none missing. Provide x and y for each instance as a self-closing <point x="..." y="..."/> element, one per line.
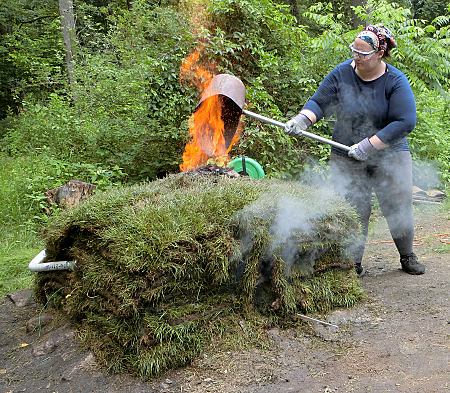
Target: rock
<point x="51" y="341"/>
<point x="89" y="362"/>
<point x="44" y="348"/>
<point x="432" y="195"/>
<point x="418" y="191"/>
<point x="437" y="194"/>
<point x="22" y="298"/>
<point x="86" y="364"/>
<point x="38" y="322"/>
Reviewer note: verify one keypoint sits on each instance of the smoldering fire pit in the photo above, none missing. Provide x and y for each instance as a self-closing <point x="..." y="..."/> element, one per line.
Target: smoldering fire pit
<point x="216" y="170"/>
<point x="163" y="267"/>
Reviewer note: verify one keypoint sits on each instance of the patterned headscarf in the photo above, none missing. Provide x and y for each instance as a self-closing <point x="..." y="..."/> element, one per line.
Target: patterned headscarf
<point x="378" y="37"/>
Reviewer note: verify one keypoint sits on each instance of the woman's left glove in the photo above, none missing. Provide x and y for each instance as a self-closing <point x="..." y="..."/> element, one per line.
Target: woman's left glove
<point x="362" y="150"/>
<point x="297" y="125"/>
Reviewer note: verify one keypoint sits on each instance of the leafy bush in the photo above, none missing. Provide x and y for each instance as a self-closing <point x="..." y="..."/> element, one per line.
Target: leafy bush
<point x="430" y="141"/>
<point x="260" y="42"/>
<point x="129" y="109"/>
<point x="31" y="52"/>
<point x="429" y="9"/>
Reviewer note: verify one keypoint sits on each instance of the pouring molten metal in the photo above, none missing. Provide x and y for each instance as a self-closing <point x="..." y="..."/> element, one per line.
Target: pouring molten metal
<point x="213" y="127"/>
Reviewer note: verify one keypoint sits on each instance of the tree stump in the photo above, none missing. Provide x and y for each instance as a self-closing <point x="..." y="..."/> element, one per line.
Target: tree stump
<point x="70" y="194"/>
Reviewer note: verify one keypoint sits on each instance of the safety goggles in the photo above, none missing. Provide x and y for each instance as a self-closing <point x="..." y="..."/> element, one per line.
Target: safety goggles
<point x="358" y="54"/>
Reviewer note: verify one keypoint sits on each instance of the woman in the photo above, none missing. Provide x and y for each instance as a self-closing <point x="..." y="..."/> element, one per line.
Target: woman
<point x="374" y="109"/>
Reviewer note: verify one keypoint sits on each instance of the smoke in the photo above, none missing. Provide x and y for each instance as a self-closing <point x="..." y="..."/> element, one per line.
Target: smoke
<point x="385" y="181"/>
<point x="294" y="225"/>
<point x="291" y="215"/>
<point x="294" y="221"/>
<point x="426" y="174"/>
<point x="198" y="12"/>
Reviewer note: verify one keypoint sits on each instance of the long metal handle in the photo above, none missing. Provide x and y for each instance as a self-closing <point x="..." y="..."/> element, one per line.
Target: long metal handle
<point x="276" y="123"/>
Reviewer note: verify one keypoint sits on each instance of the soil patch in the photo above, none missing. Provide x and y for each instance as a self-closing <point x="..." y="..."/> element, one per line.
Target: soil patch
<point x="396" y="341"/>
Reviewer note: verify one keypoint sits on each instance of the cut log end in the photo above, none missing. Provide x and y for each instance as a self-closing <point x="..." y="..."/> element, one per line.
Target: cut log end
<point x="70" y="194"/>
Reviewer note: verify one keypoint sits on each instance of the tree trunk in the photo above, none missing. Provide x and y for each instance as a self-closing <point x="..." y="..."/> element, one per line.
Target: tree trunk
<point x="294" y="9"/>
<point x="69" y="36"/>
<point x="355" y="20"/>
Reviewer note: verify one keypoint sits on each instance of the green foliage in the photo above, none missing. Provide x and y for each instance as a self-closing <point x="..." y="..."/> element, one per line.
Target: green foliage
<point x="94" y="19"/>
<point x="24" y="181"/>
<point x="331" y="46"/>
<point x="31" y="52"/>
<point x="18" y="246"/>
<point x="130" y="108"/>
<point x="44" y="127"/>
<point x="132" y="111"/>
<point x="19" y="242"/>
<point x="429" y="9"/>
<point x="430" y="141"/>
<point x="280" y="155"/>
<point x="151" y="43"/>
<point x="261" y="44"/>
<point x="15" y="209"/>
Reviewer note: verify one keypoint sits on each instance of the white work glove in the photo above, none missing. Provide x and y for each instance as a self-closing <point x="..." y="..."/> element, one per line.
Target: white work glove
<point x="297" y="125"/>
<point x="362" y="150"/>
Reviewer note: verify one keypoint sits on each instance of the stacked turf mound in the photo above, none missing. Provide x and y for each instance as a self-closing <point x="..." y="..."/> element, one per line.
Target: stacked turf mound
<point x="165" y="266"/>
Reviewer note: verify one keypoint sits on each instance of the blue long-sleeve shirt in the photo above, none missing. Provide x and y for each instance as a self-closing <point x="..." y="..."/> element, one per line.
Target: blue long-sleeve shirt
<point x="384" y="107"/>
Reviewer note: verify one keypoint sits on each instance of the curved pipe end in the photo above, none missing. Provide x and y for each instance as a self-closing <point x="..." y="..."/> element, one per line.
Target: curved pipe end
<point x="37" y="265"/>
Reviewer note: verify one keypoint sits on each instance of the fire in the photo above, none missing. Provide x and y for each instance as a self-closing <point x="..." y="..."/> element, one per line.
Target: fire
<point x="206" y="126"/>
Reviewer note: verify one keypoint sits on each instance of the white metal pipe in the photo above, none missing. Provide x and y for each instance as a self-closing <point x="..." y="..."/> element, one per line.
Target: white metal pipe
<point x="277" y="123"/>
<point x="37" y="264"/>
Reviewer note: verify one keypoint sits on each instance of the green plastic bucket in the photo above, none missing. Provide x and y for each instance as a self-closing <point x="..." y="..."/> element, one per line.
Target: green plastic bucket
<point x="247" y="166"/>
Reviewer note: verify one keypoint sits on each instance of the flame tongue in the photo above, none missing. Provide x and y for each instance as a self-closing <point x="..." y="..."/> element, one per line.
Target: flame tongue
<point x="207" y="133"/>
<point x="206" y="130"/>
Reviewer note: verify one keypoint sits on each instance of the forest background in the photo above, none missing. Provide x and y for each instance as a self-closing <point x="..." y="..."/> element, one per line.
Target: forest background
<point x="117" y="112"/>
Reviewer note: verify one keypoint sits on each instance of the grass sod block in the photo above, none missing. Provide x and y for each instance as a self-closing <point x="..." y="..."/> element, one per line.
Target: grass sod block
<point x="164" y="267"/>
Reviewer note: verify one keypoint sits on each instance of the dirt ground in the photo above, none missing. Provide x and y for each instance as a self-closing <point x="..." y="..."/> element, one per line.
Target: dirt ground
<point x="396" y="341"/>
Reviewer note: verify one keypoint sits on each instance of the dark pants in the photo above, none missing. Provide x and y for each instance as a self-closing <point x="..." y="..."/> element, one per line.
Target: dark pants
<point x="389" y="174"/>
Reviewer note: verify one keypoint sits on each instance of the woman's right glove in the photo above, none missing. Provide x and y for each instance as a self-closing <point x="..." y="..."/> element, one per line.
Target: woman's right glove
<point x="297" y="125"/>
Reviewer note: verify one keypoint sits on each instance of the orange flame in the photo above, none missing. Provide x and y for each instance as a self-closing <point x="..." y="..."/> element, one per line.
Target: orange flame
<point x="206" y="126"/>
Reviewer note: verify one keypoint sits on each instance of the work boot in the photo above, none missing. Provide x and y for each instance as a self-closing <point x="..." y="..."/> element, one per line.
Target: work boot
<point x="360" y="271"/>
<point x="411" y="265"/>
